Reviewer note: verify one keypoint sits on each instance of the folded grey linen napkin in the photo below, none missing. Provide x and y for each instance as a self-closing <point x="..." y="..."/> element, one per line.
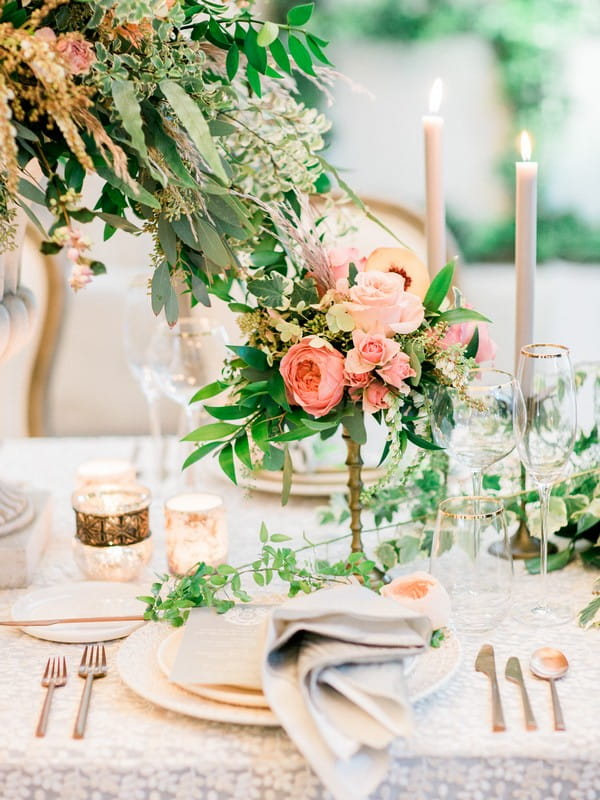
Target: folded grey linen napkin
<point x="334" y="675"/>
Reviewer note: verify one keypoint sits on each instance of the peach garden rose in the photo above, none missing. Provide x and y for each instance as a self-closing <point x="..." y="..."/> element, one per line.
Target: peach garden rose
<point x="313" y="374"/>
<point x="370" y="350"/>
<point x="378" y="300"/>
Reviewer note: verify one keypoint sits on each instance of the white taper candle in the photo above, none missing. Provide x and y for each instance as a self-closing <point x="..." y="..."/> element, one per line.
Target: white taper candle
<point x="435" y="211"/>
<point x="525" y="246"/>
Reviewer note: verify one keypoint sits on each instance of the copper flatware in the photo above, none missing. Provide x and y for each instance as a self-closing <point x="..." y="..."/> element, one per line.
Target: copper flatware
<point x="549" y="665"/>
<point x="514" y="673"/>
<point x="55" y="675"/>
<point x="40" y="623"/>
<point x="486" y="663"/>
<point x="92" y="666"/>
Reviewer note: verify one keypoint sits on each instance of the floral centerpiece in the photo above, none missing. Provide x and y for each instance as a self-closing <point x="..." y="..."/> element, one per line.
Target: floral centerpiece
<point x="332" y="336"/>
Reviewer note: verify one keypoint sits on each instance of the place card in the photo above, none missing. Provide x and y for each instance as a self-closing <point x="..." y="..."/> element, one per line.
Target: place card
<point x="223" y="649"/>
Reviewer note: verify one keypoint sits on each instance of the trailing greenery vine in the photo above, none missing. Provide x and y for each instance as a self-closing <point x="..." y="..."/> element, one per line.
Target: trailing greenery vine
<point x="528" y="38"/>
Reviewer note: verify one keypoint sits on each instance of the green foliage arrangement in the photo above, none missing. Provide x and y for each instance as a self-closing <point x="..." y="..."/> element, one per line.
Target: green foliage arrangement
<point x="188" y="113"/>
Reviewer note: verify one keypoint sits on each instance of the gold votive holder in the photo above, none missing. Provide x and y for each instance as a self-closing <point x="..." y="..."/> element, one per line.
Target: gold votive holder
<point x="112" y="539"/>
<point x="105" y="471"/>
<point x="196" y="531"/>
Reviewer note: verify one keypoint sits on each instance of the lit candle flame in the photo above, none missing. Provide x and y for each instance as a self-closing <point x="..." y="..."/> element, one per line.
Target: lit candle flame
<point x="525" y="146"/>
<point x="435" y="96"/>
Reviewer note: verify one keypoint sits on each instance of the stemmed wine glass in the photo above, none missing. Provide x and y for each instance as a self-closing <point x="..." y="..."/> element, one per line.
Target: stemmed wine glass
<point x="185" y="357"/>
<point x="140" y="325"/>
<point x="475" y="424"/>
<point x="546" y="424"/>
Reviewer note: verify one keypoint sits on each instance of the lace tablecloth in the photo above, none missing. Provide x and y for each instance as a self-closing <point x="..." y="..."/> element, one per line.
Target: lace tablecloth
<point x="136" y="751"/>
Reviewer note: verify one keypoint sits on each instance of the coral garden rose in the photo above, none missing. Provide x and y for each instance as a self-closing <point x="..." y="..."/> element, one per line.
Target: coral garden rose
<point x="375" y="397"/>
<point x="378" y="300"/>
<point x="313" y="376"/>
<point x="421" y="592"/>
<point x="370" y="350"/>
<point x="340" y="258"/>
<point x="78" y="53"/>
<point x="357" y="380"/>
<point x="396" y="371"/>
<point x="462" y="333"/>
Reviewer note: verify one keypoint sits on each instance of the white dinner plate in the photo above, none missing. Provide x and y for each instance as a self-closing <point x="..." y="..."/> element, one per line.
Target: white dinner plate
<point x="81" y="599"/>
<point x="307" y="484"/>
<point x="138" y="665"/>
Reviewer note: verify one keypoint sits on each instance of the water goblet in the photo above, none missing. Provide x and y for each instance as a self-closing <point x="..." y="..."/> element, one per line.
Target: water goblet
<point x="546" y="425"/>
<point x="478" y="582"/>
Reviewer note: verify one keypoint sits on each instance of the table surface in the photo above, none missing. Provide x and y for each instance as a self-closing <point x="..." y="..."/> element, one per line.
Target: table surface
<point x="135" y="750"/>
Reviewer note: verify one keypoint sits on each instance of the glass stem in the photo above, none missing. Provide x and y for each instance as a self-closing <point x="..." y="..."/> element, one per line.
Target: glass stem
<point x="152" y="401"/>
<point x="544" y="492"/>
<point x="477" y="483"/>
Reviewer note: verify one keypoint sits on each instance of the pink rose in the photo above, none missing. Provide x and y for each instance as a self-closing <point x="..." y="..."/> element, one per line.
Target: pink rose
<point x="340" y="258"/>
<point x="370" y="350"/>
<point x="78" y="53"/>
<point x="462" y="333"/>
<point x="313" y="376"/>
<point x="396" y="371"/>
<point x="375" y="397"/>
<point x="357" y="380"/>
<point x="378" y="300"/>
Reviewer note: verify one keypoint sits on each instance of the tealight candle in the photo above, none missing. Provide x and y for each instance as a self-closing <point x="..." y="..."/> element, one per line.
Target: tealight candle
<point x="196" y="531"/>
<point x="105" y="471"/>
<point x="112" y="541"/>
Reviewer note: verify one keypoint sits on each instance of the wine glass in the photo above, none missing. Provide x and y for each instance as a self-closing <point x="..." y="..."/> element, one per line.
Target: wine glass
<point x="546" y="424"/>
<point x="140" y="324"/>
<point x="475" y="424"/>
<point x="185" y="357"/>
<point x="470" y="533"/>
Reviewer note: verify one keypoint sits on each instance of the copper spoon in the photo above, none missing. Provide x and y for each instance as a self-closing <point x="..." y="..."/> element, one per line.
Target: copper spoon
<point x="549" y="665"/>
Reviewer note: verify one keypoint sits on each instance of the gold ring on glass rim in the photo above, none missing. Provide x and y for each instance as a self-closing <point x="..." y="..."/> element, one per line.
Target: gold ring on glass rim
<point x="509" y="379"/>
<point x="473" y="500"/>
<point x="526" y="351"/>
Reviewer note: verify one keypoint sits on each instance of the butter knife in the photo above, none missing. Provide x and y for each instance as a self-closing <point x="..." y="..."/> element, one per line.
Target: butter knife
<point x="486" y="663"/>
<point x="513" y="673"/>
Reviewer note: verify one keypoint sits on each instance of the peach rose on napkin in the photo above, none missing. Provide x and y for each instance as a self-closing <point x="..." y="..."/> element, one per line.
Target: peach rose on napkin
<point x="313" y="374"/>
<point x="378" y="299"/>
<point x="370" y="350"/>
<point x="422" y="593"/>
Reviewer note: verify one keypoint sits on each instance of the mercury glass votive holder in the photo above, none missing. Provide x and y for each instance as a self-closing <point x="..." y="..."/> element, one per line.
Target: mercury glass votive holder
<point x="196" y="530"/>
<point x="113" y="539"/>
<point x="104" y="471"/>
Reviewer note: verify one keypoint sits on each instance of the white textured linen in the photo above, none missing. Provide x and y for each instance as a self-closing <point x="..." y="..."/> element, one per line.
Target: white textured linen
<point x="136" y="751"/>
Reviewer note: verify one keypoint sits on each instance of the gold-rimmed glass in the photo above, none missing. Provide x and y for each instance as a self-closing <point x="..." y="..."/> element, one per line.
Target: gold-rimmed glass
<point x="546" y="425"/>
<point x="476" y="424"/>
<point x="479" y="583"/>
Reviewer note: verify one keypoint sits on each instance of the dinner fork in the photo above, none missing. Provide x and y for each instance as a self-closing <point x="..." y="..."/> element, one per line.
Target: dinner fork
<point x="55" y="675"/>
<point x="93" y="665"/>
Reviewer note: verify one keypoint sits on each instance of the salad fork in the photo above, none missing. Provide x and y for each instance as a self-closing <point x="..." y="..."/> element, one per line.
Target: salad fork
<point x="55" y="675"/>
<point x="92" y="666"/>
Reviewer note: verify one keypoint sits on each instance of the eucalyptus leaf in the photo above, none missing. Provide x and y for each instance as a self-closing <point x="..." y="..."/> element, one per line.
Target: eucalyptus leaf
<point x="127" y="105"/>
<point x="167" y="239"/>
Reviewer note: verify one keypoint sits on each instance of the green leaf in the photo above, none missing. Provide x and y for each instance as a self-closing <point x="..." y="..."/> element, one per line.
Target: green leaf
<point x="258" y="578"/>
<point x="299" y="15"/>
<point x="280" y="56"/>
<point x="263" y="533"/>
<point x="256" y="54"/>
<point x="491" y="482"/>
<point x="355" y="425"/>
<point x="210" y="390"/>
<point x="242" y="451"/>
<point x="439" y="288"/>
<point x="315" y="46"/>
<point x="301" y="55"/>
<point x="253" y="79"/>
<point x="214" y="430"/>
<point x="50" y="248"/>
<point x="211" y="243"/>
<point x="232" y="61"/>
<point x="419" y="441"/>
<point x="130" y="188"/>
<point x="116" y="221"/>
<point x="227" y="412"/>
<point x="227" y="463"/>
<point x="267" y="34"/>
<point x="250" y="355"/>
<point x="457" y="315"/>
<point x="168" y="239"/>
<point x="555" y="561"/>
<point x="437" y="638"/>
<point x="161" y="288"/>
<point x="193" y="121"/>
<point x="199" y="453"/>
<point x="280" y="537"/>
<point x="473" y="346"/>
<point x="31" y="192"/>
<point x="588" y="614"/>
<point x="199" y="291"/>
<point x="270" y="291"/>
<point x="127" y="105"/>
<point x="288" y="471"/>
